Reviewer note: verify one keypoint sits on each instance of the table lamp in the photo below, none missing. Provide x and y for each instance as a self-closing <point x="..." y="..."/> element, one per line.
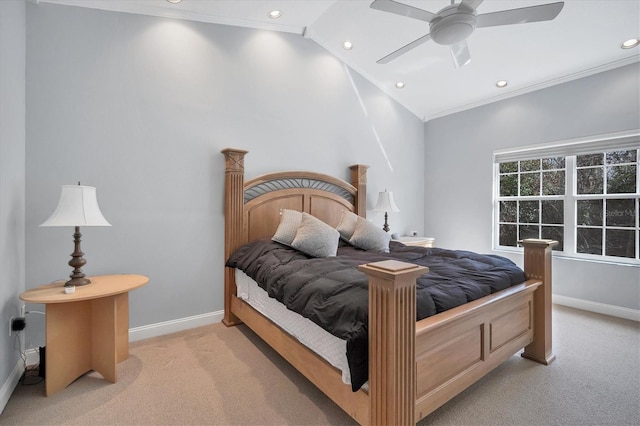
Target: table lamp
<point x="78" y="206"/>
<point x="386" y="204"/>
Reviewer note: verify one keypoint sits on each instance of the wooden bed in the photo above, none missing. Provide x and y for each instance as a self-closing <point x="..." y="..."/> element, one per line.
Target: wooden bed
<point x="414" y="367"/>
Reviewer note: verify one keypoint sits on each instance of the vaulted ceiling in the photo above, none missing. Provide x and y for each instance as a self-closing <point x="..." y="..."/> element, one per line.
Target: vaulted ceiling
<point x="585" y="38"/>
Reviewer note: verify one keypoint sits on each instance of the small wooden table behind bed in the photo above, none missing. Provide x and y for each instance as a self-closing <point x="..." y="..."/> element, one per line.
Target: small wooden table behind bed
<point x="414" y="367"/>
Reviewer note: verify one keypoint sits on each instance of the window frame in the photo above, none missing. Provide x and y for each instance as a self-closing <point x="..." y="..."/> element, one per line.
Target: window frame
<point x="540" y="199"/>
<point x="569" y="149"/>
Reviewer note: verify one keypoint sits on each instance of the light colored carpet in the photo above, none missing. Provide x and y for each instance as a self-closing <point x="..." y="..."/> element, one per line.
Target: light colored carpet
<point x="228" y="376"/>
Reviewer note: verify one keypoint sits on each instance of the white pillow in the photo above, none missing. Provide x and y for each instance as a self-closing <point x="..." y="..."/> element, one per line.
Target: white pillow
<point x="368" y="236"/>
<point x="316" y="238"/>
<point x="347" y="224"/>
<point x="289" y="223"/>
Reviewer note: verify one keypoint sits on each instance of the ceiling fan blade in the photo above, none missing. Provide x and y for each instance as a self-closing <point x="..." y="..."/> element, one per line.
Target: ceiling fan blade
<point x="393" y="55"/>
<point x="473" y="4"/>
<point x="544" y="12"/>
<point x="402" y="9"/>
<point x="460" y="54"/>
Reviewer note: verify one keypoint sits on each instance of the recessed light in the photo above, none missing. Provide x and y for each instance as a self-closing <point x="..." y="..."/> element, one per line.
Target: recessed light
<point x="275" y="14"/>
<point x="174" y="1"/>
<point x="399" y="85"/>
<point x="501" y="83"/>
<point x="631" y="43"/>
<point x="347" y="45"/>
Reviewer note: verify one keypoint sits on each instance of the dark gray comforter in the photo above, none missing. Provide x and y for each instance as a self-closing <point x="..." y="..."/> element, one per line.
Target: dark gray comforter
<point x="332" y="293"/>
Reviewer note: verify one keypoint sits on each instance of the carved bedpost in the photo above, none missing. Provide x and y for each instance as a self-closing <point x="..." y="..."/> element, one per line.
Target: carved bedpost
<point x="233" y="222"/>
<point x="359" y="180"/>
<point x="537" y="265"/>
<point x="392" y="333"/>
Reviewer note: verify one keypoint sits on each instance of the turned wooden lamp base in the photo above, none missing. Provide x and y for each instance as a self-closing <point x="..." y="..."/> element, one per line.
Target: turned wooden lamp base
<point x="385" y="227"/>
<point x="77" y="262"/>
<point x="77" y="282"/>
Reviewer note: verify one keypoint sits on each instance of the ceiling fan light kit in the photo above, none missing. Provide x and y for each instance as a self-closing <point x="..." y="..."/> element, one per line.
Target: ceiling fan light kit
<point x="453" y="24"/>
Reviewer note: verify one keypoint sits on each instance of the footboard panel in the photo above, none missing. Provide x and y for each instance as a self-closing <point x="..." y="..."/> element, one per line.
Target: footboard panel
<point x="487" y="332"/>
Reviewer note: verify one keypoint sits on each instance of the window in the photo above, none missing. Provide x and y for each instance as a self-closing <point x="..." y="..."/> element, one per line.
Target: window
<point x="531" y="200"/>
<point x="583" y="194"/>
<point x="607" y="203"/>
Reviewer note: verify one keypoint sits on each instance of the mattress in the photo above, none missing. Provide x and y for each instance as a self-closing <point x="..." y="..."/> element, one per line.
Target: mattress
<point x="329" y="347"/>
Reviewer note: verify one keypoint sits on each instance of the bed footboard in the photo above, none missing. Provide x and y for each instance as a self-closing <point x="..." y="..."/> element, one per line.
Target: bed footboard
<point x="448" y="352"/>
<point x="484" y="337"/>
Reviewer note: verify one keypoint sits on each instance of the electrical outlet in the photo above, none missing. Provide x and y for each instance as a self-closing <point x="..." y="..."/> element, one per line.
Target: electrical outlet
<point x="11" y="326"/>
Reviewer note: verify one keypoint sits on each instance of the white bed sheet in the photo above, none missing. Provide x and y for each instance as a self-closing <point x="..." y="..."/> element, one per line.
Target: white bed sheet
<point x="329" y="347"/>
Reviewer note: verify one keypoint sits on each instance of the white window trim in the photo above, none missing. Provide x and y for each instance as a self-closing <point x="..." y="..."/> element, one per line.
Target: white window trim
<point x="607" y="142"/>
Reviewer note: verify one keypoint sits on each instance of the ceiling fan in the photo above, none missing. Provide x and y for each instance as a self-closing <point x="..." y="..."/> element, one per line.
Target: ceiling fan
<point x="453" y="24"/>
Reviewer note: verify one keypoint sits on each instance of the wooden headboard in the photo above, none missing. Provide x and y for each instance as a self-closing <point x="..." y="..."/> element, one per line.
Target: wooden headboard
<point x="252" y="208"/>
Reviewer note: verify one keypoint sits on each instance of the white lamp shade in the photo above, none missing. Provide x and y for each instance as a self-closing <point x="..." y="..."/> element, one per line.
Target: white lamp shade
<point x="386" y="203"/>
<point x="78" y="206"/>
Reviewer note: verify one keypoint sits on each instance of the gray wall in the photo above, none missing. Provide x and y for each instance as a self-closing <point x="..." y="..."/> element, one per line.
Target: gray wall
<point x="459" y="171"/>
<point x="140" y="108"/>
<point x="12" y="178"/>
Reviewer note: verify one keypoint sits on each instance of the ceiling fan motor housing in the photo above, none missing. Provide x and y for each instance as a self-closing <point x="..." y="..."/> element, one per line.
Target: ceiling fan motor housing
<point x="453" y="25"/>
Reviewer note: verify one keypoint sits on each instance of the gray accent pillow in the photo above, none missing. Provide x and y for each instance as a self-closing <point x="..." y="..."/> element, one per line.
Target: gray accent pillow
<point x="289" y="224"/>
<point x="368" y="236"/>
<point x="316" y="238"/>
<point x="347" y="224"/>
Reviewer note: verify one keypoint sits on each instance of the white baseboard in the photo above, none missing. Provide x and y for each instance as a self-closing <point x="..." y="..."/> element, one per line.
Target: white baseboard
<point x="154" y="330"/>
<point x="173" y="326"/>
<point x="10" y="384"/>
<point x="600" y="308"/>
